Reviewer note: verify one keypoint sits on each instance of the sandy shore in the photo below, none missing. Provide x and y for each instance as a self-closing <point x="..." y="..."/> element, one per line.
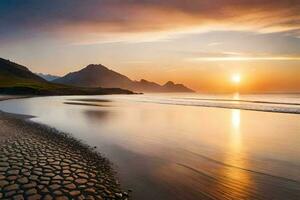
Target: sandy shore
<point x="37" y="162"/>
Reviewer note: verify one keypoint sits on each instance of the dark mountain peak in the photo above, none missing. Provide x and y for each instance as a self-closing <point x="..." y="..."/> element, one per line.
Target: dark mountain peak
<point x="144" y="81"/>
<point x="169" y="83"/>
<point x="94" y="67"/>
<point x="174" y="87"/>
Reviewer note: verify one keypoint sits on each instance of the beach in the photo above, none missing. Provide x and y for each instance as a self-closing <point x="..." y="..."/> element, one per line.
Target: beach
<point x="162" y="146"/>
<point x="38" y="162"/>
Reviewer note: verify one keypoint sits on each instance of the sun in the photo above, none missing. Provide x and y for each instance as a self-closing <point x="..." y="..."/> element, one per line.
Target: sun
<point x="236" y="78"/>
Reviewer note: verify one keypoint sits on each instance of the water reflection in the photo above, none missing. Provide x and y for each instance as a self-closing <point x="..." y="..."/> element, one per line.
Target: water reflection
<point x="237" y="180"/>
<point x="235" y="135"/>
<point x="182" y="152"/>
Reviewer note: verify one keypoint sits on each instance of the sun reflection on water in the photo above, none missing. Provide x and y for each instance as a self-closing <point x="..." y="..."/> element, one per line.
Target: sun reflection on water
<point x="233" y="174"/>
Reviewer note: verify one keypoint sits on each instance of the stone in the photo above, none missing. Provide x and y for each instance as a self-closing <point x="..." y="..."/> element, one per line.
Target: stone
<point x="3" y="169"/>
<point x="70" y="186"/>
<point x="54" y="186"/>
<point x="61" y="198"/>
<point x="75" y="193"/>
<point x="57" y="177"/>
<point x="33" y="177"/>
<point x="34" y="197"/>
<point x="29" y="185"/>
<point x="2" y="177"/>
<point x="31" y="191"/>
<point x="83" y="175"/>
<point x="81" y="181"/>
<point x="49" y="174"/>
<point x="48" y="197"/>
<point x="23" y="180"/>
<point x="66" y="171"/>
<point x="11" y="187"/>
<point x="11" y="178"/>
<point x="45" y="190"/>
<point x="13" y="172"/>
<point x="18" y="197"/>
<point x="3" y="183"/>
<point x="90" y="190"/>
<point x="57" y="192"/>
<point x="10" y="193"/>
<point x="4" y="164"/>
<point x="45" y="178"/>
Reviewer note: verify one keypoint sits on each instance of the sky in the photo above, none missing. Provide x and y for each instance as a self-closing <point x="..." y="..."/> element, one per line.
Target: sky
<point x="200" y="43"/>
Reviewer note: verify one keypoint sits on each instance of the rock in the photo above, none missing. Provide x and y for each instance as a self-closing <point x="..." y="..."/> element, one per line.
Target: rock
<point x="29" y="185"/>
<point x="57" y="192"/>
<point x="34" y="197"/>
<point x="48" y="197"/>
<point x="70" y="186"/>
<point x="11" y="178"/>
<point x="81" y="181"/>
<point x="83" y="175"/>
<point x="13" y="172"/>
<point x="11" y="187"/>
<point x="90" y="190"/>
<point x="18" y="197"/>
<point x="49" y="174"/>
<point x="3" y="183"/>
<point x="10" y="193"/>
<point x="31" y="192"/>
<point x="4" y="164"/>
<point x="54" y="186"/>
<point x="3" y="169"/>
<point x="23" y="180"/>
<point x="61" y="198"/>
<point x="57" y="177"/>
<point x="75" y="193"/>
<point x="33" y="177"/>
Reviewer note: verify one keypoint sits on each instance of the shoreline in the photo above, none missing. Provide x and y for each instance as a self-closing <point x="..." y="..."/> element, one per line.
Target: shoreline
<point x="40" y="162"/>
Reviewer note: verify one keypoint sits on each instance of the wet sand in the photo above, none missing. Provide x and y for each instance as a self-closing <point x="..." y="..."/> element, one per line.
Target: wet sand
<point x="37" y="162"/>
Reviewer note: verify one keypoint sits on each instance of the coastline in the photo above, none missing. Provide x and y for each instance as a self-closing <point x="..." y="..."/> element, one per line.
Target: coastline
<point x="39" y="162"/>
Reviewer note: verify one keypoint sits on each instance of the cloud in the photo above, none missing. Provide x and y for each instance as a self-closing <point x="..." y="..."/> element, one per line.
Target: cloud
<point x="103" y="20"/>
<point x="238" y="56"/>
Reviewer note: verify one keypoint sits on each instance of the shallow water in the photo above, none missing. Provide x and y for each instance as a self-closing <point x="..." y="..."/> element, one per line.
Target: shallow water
<point x="184" y="146"/>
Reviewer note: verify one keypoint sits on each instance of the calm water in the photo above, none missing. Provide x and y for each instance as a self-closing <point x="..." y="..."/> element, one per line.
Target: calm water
<point x="186" y="146"/>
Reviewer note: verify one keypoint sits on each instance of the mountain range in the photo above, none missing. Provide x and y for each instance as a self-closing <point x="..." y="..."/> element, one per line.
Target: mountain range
<point x="18" y="79"/>
<point x="97" y="75"/>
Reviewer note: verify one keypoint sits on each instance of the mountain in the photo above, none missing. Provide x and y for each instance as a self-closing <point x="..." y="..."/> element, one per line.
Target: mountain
<point x="100" y="76"/>
<point x="47" y="77"/>
<point x="18" y="79"/>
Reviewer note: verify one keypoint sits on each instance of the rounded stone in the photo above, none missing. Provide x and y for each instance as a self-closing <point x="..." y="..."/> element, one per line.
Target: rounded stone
<point x="3" y="183"/>
<point x="23" y="180"/>
<point x="75" y="193"/>
<point x="11" y="187"/>
<point x="31" y="191"/>
<point x="34" y="197"/>
<point x="81" y="181"/>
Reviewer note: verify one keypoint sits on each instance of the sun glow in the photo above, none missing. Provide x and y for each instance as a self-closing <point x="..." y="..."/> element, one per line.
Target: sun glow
<point x="236" y="78"/>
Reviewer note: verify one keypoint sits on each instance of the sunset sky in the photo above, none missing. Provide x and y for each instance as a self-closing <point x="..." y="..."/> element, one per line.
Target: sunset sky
<point x="201" y="43"/>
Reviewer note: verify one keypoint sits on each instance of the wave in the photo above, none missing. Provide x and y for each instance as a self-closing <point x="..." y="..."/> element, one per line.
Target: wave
<point x="252" y="105"/>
